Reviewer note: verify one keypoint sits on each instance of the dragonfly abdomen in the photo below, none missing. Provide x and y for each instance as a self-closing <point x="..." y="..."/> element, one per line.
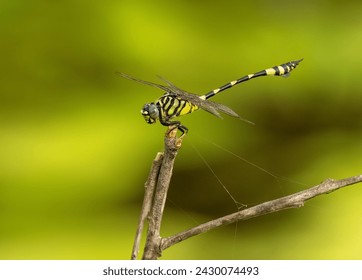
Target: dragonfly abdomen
<point x="280" y="70"/>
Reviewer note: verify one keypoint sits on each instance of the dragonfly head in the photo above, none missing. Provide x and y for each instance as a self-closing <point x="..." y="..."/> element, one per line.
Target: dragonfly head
<point x="150" y="112"/>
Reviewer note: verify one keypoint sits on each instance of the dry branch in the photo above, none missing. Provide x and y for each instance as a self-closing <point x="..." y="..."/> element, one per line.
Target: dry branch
<point x="147" y="201"/>
<point x="172" y="145"/>
<point x="155" y="199"/>
<point x="290" y="201"/>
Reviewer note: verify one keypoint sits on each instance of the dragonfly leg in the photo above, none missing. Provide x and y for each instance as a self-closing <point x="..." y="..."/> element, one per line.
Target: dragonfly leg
<point x="180" y="127"/>
<point x="176" y="125"/>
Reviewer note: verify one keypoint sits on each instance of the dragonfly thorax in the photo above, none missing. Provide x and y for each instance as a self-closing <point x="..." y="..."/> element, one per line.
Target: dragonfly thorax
<point x="150" y="112"/>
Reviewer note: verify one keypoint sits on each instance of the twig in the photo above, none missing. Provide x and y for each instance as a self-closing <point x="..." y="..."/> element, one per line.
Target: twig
<point x="153" y="241"/>
<point x="147" y="201"/>
<point x="290" y="201"/>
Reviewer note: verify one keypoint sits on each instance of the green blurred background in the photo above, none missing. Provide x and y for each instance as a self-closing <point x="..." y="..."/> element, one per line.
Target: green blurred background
<point x="75" y="152"/>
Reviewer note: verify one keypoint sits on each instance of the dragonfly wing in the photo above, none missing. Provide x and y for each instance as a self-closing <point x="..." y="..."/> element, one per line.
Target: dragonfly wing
<point x="178" y="91"/>
<point x="225" y="110"/>
<point x="208" y="106"/>
<point x="143" y="82"/>
<point x="193" y="98"/>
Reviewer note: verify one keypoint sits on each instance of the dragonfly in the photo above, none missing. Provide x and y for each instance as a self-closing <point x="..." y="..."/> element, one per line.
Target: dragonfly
<point x="176" y="102"/>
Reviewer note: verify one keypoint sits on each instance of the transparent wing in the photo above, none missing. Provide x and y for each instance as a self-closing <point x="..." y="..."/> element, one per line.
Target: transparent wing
<point x="142" y="81"/>
<point x="208" y="106"/>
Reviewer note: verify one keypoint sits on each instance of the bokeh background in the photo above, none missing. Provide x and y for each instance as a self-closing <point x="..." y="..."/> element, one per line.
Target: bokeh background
<point x="75" y="152"/>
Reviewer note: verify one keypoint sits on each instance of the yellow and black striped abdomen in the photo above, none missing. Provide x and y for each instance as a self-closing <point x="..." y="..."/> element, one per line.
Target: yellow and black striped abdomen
<point x="280" y="70"/>
<point x="174" y="106"/>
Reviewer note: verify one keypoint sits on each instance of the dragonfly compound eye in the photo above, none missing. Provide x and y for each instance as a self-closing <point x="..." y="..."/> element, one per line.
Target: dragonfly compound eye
<point x="150" y="112"/>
